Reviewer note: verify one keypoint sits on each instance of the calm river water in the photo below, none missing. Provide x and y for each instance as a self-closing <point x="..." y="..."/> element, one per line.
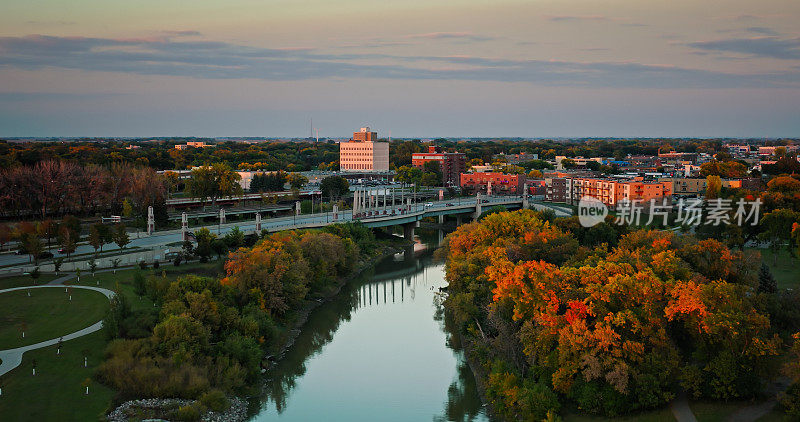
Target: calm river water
<point x="379" y="351"/>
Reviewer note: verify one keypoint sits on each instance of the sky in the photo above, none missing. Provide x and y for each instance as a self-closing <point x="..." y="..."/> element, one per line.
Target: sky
<point x="411" y="68"/>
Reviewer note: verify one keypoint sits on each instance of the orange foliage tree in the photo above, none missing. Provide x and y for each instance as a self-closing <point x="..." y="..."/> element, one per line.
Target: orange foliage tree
<point x="611" y="329"/>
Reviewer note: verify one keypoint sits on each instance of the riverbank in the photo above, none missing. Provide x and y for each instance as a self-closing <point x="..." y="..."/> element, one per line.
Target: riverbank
<point x="285" y="333"/>
<point x="305" y="311"/>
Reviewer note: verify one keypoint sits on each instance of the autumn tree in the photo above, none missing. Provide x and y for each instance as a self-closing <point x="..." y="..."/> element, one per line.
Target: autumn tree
<point x="213" y="182"/>
<point x="610" y="329"/>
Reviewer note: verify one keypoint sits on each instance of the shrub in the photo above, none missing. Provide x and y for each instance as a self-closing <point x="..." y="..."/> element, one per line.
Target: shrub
<point x="143" y="265"/>
<point x="156" y="264"/>
<point x="214" y="400"/>
<point x="187" y="413"/>
<point x="177" y="261"/>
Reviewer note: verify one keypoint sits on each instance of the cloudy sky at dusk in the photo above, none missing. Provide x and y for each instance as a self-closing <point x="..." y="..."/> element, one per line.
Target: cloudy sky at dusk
<point x="415" y="68"/>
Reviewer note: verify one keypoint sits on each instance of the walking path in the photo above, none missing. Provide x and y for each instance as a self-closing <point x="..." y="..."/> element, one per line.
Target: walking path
<point x="681" y="410"/>
<point x="12" y="358"/>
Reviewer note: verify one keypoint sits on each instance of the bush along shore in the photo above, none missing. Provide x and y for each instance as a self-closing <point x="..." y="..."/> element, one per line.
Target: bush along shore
<point x="556" y="318"/>
<point x="209" y="339"/>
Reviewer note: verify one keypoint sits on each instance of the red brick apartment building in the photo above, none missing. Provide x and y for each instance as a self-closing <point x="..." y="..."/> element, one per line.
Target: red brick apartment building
<point x="608" y="191"/>
<point x="452" y="164"/>
<point x="502" y="184"/>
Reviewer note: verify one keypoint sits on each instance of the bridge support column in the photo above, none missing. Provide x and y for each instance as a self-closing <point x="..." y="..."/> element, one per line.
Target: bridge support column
<point x="458" y="219"/>
<point x="151" y="221"/>
<point x="408" y="230"/>
<point x="525" y="196"/>
<point x="478" y="205"/>
<point x="184" y="227"/>
<point x="222" y="216"/>
<point x="441" y="220"/>
<point x="258" y="223"/>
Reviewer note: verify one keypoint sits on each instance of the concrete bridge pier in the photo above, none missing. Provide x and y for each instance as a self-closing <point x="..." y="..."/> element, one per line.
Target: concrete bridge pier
<point x="408" y="229"/>
<point x="525" y="196"/>
<point x="478" y="205"/>
<point x="184" y="227"/>
<point x="441" y="220"/>
<point x="458" y="219"/>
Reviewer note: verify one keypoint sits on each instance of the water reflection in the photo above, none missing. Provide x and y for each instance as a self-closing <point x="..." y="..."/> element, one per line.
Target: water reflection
<point x="380" y="351"/>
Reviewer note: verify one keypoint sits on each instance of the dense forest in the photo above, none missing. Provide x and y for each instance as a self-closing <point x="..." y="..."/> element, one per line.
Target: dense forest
<point x="616" y="323"/>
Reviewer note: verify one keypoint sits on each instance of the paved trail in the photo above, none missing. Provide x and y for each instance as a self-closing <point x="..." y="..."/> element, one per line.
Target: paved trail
<point x="681" y="410"/>
<point x="11" y="358"/>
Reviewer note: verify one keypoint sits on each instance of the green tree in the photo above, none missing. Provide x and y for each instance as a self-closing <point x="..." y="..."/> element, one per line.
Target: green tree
<point x="220" y="247"/>
<point x="234" y="238"/>
<point x="766" y="282"/>
<point x="204" y="239"/>
<point x="296" y="180"/>
<point x="777" y="229"/>
<point x="334" y="187"/>
<point x="120" y="236"/>
<point x="409" y="175"/>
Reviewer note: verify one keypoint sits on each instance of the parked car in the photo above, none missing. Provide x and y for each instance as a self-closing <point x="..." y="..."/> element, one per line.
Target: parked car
<point x="429" y="204"/>
<point x="450" y="204"/>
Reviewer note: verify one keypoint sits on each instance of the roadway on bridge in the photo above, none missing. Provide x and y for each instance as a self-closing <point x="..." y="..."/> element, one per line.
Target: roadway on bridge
<point x="159" y="239"/>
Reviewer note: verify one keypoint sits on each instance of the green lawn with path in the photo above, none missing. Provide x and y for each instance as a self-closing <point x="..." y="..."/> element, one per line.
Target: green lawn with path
<point x="47" y="313"/>
<point x="24" y="280"/>
<point x="56" y="393"/>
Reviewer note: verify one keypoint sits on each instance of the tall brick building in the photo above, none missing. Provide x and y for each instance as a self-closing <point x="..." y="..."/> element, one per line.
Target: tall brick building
<point x="452" y="164"/>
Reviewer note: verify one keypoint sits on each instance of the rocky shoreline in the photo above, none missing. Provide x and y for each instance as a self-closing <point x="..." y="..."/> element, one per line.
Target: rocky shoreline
<point x="163" y="409"/>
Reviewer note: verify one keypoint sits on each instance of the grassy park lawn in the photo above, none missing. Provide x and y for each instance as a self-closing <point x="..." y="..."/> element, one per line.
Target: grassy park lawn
<point x="24" y="280"/>
<point x="56" y="393"/>
<point x="47" y="313"/>
<point x="784" y="269"/>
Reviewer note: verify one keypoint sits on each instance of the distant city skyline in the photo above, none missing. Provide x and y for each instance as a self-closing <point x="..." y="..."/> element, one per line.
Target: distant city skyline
<point x="466" y="68"/>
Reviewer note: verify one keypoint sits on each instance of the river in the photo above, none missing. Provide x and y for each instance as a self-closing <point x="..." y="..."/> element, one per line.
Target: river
<point x="378" y="351"/>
